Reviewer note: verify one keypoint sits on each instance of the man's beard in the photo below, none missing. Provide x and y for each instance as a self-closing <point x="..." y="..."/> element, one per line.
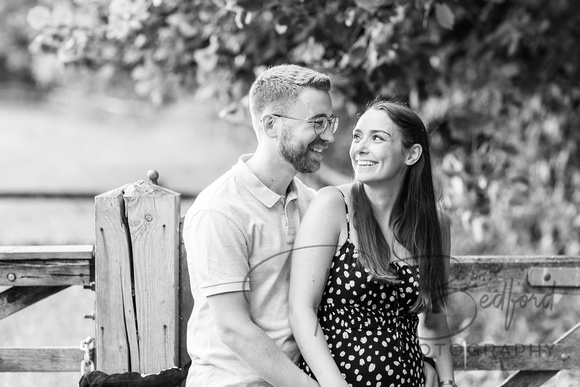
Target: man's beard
<point x="297" y="156"/>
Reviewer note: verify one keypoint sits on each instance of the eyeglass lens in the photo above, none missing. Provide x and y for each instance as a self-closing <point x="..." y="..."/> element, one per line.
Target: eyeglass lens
<point x="321" y="124"/>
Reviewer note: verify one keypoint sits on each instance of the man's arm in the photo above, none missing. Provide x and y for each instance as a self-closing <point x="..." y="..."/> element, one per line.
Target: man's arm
<point x="251" y="344"/>
<point x="433" y="327"/>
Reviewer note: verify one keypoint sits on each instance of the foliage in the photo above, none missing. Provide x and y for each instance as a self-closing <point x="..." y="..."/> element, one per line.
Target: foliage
<point x="496" y="81"/>
<point x="14" y="40"/>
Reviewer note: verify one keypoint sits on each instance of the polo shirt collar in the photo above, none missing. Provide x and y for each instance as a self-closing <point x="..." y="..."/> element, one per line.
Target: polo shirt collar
<point x="256" y="187"/>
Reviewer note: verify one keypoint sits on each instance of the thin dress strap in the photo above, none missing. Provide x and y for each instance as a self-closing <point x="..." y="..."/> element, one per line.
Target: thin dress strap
<point x="347" y="217"/>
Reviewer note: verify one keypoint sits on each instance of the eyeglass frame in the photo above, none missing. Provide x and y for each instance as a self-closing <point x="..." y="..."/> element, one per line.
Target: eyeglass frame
<point x="332" y="120"/>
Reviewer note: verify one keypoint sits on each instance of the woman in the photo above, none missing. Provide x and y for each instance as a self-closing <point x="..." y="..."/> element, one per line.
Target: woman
<point x="354" y="310"/>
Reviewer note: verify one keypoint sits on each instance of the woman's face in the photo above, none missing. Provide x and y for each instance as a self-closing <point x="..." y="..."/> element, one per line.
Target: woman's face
<point x="376" y="152"/>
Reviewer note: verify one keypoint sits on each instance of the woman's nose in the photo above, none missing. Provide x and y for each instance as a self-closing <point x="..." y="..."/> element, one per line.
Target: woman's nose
<point x="360" y="147"/>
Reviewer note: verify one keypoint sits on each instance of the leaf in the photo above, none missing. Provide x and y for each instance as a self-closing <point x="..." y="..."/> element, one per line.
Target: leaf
<point x="251" y="5"/>
<point x="280" y="29"/>
<point x="357" y="57"/>
<point x="62" y="15"/>
<point x="373" y="5"/>
<point x="308" y="52"/>
<point x="444" y="16"/>
<point x="38" y="17"/>
<point x="510" y="70"/>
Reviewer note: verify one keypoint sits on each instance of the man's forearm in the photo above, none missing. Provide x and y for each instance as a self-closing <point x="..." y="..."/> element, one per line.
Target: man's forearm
<point x="440" y="349"/>
<point x="255" y="349"/>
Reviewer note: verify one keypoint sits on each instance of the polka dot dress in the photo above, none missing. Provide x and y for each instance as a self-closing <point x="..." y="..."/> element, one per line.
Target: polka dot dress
<point x="370" y="331"/>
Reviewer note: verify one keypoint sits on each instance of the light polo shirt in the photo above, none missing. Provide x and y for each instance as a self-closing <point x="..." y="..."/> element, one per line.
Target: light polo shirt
<point x="239" y="235"/>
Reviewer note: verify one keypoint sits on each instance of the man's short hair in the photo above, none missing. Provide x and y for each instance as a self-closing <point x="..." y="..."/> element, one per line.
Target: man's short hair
<point x="280" y="85"/>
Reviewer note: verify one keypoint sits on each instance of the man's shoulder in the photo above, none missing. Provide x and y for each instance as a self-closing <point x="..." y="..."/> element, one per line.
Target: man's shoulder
<point x="214" y="195"/>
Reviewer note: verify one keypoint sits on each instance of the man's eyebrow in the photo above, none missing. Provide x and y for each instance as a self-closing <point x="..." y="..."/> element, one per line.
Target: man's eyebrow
<point x="320" y="115"/>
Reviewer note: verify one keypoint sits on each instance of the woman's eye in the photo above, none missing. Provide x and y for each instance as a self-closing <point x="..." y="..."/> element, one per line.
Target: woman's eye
<point x="377" y="137"/>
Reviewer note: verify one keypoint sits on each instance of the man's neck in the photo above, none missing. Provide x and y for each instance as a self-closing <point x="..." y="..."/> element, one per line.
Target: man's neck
<point x="275" y="174"/>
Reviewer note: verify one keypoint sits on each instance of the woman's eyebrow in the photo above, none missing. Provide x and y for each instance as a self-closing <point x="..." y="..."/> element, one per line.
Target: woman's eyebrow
<point x="374" y="131"/>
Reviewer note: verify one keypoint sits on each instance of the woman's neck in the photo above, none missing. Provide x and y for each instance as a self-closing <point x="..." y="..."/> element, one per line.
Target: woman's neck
<point x="383" y="202"/>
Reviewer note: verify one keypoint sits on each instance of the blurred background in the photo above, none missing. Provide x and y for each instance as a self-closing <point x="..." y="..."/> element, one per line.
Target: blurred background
<point x="93" y="94"/>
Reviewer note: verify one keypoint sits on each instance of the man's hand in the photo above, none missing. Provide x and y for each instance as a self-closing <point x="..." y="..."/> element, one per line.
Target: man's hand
<point x="431" y="379"/>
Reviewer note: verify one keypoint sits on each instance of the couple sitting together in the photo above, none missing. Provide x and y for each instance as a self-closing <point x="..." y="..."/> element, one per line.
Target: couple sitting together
<point x="294" y="287"/>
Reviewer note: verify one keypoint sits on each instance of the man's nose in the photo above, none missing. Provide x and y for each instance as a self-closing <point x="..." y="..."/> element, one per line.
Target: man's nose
<point x="327" y="135"/>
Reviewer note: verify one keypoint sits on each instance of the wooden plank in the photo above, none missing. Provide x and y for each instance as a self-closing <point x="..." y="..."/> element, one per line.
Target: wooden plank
<point x="17" y="298"/>
<point x="61" y="252"/>
<point x="116" y="326"/>
<point x="45" y="359"/>
<point x="185" y="299"/>
<point x="54" y="272"/>
<point x="538" y="357"/>
<point x="153" y="216"/>
<point x="493" y="273"/>
<point x="563" y="276"/>
<point x="528" y="378"/>
<point x="537" y="378"/>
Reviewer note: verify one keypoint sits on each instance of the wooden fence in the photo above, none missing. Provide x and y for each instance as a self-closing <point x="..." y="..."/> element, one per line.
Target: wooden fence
<point x="35" y="273"/>
<point x="139" y="272"/>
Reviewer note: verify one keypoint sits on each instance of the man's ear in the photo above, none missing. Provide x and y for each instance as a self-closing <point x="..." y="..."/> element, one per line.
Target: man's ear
<point x="413" y="154"/>
<point x="268" y="122"/>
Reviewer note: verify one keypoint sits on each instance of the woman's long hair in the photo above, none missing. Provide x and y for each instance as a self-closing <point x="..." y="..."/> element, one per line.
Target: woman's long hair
<point x="415" y="217"/>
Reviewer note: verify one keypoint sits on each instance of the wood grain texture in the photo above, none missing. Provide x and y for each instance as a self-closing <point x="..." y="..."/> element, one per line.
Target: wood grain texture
<point x="19" y="297"/>
<point x="116" y="326"/>
<point x="509" y="357"/>
<point x="530" y="378"/>
<point x="153" y="218"/>
<point x="54" y="272"/>
<point x="45" y="359"/>
<point x="491" y="273"/>
<point x="46" y="252"/>
<point x="185" y="299"/>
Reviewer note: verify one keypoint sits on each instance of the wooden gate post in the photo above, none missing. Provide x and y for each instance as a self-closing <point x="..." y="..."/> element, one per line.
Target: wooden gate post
<point x="136" y="275"/>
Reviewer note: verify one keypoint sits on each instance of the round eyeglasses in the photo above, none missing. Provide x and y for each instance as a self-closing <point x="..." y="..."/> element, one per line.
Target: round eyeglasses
<point x="320" y="124"/>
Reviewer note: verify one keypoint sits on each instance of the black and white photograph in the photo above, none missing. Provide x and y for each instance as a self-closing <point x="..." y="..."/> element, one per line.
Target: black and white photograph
<point x="260" y="193"/>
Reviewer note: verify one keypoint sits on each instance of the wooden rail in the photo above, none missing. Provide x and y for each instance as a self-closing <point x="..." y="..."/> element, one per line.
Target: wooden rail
<point x="35" y="273"/>
<point x="46" y="265"/>
<point x="41" y="359"/>
<point x="531" y="278"/>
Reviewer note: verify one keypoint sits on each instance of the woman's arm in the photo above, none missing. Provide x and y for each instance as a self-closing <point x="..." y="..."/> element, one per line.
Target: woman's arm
<point x="433" y="327"/>
<point x="315" y="245"/>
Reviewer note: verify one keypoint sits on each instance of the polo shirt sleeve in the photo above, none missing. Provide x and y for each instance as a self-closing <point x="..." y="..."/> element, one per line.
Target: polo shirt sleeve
<point x="217" y="253"/>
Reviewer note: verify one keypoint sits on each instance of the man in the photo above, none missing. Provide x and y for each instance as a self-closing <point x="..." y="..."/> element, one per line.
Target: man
<point x="240" y="231"/>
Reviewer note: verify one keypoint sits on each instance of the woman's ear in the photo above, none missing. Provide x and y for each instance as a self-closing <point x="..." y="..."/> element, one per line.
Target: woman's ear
<point x="414" y="154"/>
<point x="268" y="125"/>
